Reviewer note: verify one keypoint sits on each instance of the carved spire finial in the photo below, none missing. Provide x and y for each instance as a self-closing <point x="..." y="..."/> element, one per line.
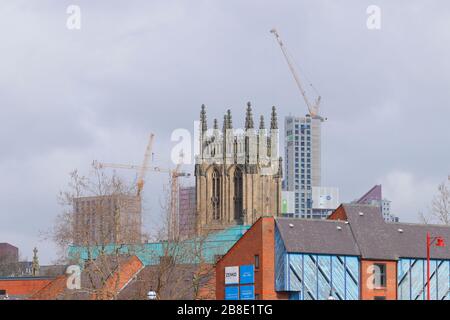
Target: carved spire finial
<point x="204" y="125"/>
<point x="261" y="122"/>
<point x="225" y="123"/>
<point x="274" y="119"/>
<point x="249" y="117"/>
<point x="35" y="263"/>
<point x="230" y="121"/>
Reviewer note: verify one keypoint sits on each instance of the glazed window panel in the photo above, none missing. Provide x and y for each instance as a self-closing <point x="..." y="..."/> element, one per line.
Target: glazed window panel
<point x="443" y="276"/>
<point x="296" y="271"/>
<point x="412" y="279"/>
<point x="417" y="280"/>
<point x="316" y="277"/>
<point x="281" y="264"/>
<point x="379" y="270"/>
<point x="310" y="277"/>
<point x="324" y="277"/>
<point x="338" y="277"/>
<point x="404" y="285"/>
<point x="352" y="278"/>
<point x="433" y="279"/>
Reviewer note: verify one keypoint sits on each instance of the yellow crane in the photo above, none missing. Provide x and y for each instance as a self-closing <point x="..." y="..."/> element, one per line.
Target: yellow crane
<point x="174" y="175"/>
<point x="141" y="170"/>
<point x="313" y="108"/>
<point x="145" y="163"/>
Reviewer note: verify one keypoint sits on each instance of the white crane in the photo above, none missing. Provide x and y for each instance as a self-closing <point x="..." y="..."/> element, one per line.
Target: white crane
<point x="313" y="108"/>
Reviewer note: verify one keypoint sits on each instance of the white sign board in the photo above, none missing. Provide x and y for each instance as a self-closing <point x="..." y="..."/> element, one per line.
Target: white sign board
<point x="325" y="198"/>
<point x="287" y="201"/>
<point x="231" y="275"/>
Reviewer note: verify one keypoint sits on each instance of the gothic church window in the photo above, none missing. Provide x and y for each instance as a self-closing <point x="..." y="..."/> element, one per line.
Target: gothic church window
<point x="216" y="195"/>
<point x="238" y="191"/>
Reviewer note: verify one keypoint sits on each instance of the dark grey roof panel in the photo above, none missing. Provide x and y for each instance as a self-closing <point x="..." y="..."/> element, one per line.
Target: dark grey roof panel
<point x="366" y="234"/>
<point x="317" y="236"/>
<point x="410" y="241"/>
<point x="370" y="232"/>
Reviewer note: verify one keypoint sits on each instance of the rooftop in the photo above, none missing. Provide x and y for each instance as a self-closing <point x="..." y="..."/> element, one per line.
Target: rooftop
<point x="186" y="251"/>
<point x="358" y="229"/>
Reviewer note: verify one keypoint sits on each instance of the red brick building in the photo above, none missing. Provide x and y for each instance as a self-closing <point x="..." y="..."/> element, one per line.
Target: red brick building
<point x="354" y="254"/>
<point x="8" y="253"/>
<point x="23" y="287"/>
<point x="259" y="248"/>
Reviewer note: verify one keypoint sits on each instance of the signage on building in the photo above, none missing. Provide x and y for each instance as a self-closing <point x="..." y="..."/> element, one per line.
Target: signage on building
<point x="247" y="292"/>
<point x="325" y="198"/>
<point x="240" y="282"/>
<point x="247" y="274"/>
<point x="232" y="275"/>
<point x="287" y="202"/>
<point x="232" y="293"/>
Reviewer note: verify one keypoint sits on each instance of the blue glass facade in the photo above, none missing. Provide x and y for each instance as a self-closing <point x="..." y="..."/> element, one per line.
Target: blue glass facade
<point x="412" y="279"/>
<point x="316" y="277"/>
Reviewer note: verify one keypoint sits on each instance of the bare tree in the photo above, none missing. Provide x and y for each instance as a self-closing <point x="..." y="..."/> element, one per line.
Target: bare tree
<point x="440" y="206"/>
<point x="96" y="229"/>
<point x="100" y="224"/>
<point x="439" y="211"/>
<point x="179" y="268"/>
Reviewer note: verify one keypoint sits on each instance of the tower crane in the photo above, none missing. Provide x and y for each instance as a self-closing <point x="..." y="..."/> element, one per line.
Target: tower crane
<point x="313" y="108"/>
<point x="141" y="170"/>
<point x="145" y="163"/>
<point x="174" y="175"/>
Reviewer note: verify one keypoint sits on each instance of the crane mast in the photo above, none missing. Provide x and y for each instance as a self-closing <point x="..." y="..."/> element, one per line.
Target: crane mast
<point x="313" y="108"/>
<point x="145" y="163"/>
<point x="173" y="230"/>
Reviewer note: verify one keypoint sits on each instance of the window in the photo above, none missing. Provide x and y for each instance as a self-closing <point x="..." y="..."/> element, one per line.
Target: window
<point x="215" y="199"/>
<point x="256" y="261"/>
<point x="379" y="271"/>
<point x="238" y="191"/>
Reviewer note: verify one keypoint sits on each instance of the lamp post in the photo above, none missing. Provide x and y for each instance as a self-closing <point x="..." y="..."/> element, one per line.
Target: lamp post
<point x="439" y="243"/>
<point x="151" y="295"/>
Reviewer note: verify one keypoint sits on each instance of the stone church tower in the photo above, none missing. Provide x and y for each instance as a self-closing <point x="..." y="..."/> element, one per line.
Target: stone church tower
<point x="237" y="172"/>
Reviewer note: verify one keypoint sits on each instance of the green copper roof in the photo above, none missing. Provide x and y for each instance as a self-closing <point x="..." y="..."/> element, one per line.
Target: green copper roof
<point x="189" y="251"/>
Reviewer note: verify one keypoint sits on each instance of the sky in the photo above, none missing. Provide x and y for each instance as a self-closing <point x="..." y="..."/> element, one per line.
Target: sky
<point x="69" y="96"/>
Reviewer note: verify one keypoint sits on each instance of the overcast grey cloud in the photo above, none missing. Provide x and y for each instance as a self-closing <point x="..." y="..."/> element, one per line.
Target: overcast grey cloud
<point x="70" y="96"/>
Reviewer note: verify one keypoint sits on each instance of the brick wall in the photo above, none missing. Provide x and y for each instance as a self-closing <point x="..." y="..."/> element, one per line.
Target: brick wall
<point x="207" y="290"/>
<point x="8" y="253"/>
<point x="338" y="214"/>
<point x="119" y="279"/>
<point x="24" y="286"/>
<point x="52" y="290"/>
<point x="258" y="240"/>
<point x="389" y="292"/>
